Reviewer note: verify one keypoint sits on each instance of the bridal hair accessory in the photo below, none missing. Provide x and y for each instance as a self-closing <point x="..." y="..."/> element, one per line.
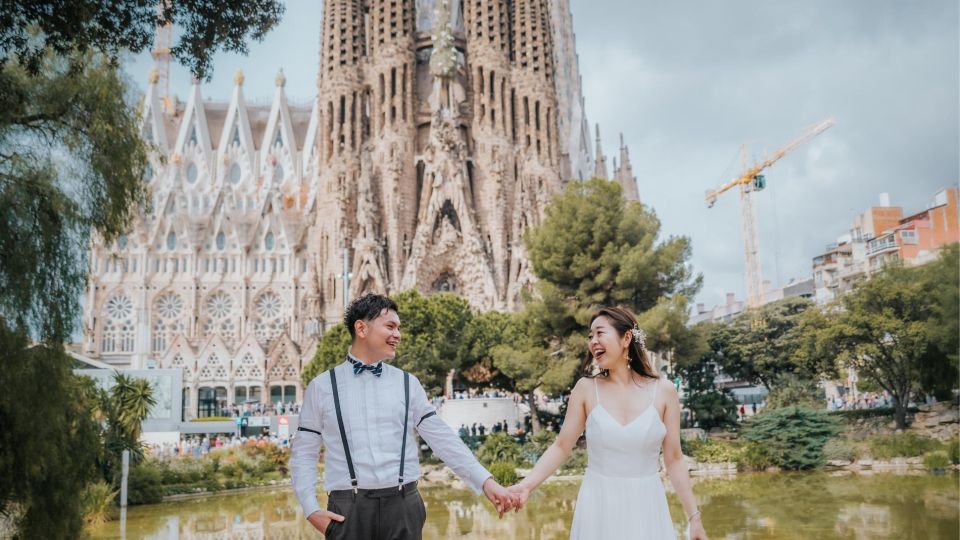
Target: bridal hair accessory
<point x="639" y="336"/>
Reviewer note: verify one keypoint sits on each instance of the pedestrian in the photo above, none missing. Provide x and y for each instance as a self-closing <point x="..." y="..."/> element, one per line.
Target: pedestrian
<point x="372" y="492"/>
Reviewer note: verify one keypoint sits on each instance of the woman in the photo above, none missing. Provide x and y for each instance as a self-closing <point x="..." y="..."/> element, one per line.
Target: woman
<point x="629" y="413"/>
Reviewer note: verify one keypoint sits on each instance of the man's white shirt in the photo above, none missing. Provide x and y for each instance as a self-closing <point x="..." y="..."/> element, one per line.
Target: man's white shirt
<point x="372" y="409"/>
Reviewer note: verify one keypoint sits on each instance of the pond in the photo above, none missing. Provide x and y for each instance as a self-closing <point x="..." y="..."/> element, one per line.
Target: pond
<point x="755" y="506"/>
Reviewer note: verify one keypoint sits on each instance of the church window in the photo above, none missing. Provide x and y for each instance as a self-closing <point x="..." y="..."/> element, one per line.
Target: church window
<point x="221" y="241"/>
<point x="172" y="240"/>
<point x="192" y="172"/>
<point x="220" y="305"/>
<point x="169" y="306"/>
<point x="278" y="173"/>
<point x="268" y="241"/>
<point x="148" y="173"/>
<point x="118" y="332"/>
<point x="122" y="241"/>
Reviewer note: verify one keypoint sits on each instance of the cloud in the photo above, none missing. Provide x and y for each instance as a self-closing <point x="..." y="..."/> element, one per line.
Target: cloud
<point x="688" y="82"/>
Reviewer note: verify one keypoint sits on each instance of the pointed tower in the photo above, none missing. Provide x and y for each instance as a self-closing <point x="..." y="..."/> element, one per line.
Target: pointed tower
<point x="624" y="174"/>
<point x="491" y="171"/>
<point x="344" y="116"/>
<point x="600" y="160"/>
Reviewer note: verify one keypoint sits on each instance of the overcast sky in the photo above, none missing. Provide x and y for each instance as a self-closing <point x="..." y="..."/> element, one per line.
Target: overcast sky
<point x="687" y="82"/>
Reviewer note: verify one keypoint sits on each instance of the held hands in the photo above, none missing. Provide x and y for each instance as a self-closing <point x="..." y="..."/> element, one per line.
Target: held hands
<point x="520" y="493"/>
<point x="321" y="520"/>
<point x="502" y="499"/>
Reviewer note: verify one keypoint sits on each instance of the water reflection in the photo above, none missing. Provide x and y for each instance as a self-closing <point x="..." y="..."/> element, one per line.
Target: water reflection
<point x="757" y="506"/>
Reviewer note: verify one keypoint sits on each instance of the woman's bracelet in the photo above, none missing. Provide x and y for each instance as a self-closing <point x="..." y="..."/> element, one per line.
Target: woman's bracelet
<point x="693" y="516"/>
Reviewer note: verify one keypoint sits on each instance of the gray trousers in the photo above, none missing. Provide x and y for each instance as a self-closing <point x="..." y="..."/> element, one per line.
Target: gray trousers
<point x="377" y="514"/>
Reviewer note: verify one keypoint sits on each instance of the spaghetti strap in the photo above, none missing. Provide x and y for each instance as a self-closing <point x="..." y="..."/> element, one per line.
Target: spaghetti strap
<point x="596" y="390"/>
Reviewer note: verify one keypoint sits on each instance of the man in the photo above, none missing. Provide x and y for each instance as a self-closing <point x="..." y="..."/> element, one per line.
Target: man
<point x="365" y="412"/>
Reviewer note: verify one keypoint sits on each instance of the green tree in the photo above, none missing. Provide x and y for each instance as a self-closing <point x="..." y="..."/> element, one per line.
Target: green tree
<point x="50" y="442"/>
<point x="939" y="369"/>
<point x="711" y="406"/>
<point x="792" y="390"/>
<point x="668" y="332"/>
<point x="331" y="350"/>
<point x="532" y="367"/>
<point x="765" y="343"/>
<point x="124" y="407"/>
<point x="71" y="165"/>
<point x="594" y="248"/>
<point x="432" y="329"/>
<point x="599" y="249"/>
<point x="793" y="437"/>
<point x="882" y="331"/>
<point x="204" y="27"/>
<point x="484" y="332"/>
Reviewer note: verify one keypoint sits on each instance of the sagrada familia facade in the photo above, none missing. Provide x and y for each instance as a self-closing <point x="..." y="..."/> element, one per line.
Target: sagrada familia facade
<point x="439" y="133"/>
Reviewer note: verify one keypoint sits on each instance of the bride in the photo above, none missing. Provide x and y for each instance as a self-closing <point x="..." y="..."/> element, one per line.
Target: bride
<point x="629" y="414"/>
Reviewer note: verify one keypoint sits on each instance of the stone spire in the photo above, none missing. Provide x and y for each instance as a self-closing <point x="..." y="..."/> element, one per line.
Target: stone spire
<point x="624" y="174"/>
<point x="600" y="171"/>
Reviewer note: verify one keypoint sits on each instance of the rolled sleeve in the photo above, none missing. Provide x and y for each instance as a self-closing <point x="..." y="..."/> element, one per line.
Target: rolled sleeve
<point x="444" y="442"/>
<point x="305" y="451"/>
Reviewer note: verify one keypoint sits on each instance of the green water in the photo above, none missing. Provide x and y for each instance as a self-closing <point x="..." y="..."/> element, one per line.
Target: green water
<point x="748" y="506"/>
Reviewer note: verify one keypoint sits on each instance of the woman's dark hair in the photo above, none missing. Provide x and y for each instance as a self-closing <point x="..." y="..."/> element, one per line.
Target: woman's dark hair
<point x="366" y="308"/>
<point x="623" y="321"/>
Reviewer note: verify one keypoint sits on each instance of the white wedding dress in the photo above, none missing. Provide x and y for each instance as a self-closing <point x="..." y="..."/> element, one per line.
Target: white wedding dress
<point x="621" y="496"/>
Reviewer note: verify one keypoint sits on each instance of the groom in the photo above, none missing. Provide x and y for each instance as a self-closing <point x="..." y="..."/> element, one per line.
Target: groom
<point x="365" y="410"/>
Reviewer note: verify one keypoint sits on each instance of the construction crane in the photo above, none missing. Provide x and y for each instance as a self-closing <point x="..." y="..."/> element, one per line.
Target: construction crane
<point x="161" y="55"/>
<point x="749" y="181"/>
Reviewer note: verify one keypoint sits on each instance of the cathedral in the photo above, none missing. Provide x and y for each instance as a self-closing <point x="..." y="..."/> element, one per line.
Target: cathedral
<point x="439" y="132"/>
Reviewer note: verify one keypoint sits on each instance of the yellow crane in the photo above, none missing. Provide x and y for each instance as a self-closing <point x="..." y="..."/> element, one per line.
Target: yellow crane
<point x="749" y="181"/>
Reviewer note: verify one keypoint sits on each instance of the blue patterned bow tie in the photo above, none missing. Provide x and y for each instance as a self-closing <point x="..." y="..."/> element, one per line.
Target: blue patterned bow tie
<point x="360" y="367"/>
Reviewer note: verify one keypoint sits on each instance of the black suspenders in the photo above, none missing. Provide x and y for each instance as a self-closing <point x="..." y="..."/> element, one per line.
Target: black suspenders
<point x="343" y="432"/>
<point x="406" y="417"/>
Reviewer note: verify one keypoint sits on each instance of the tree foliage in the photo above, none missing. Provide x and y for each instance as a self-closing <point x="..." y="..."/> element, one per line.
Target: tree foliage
<point x="594" y="248"/>
<point x="71" y="166"/>
<point x="71" y="163"/>
<point x="711" y="406"/>
<point x="883" y="331"/>
<point x="123" y="409"/>
<point x="30" y="28"/>
<point x="599" y="249"/>
<point x="50" y="440"/>
<point x="793" y="437"/>
<point x="432" y="328"/>
<point x="765" y="343"/>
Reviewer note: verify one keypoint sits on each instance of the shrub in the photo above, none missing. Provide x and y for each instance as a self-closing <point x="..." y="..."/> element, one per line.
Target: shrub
<point x="937" y="459"/>
<point x="97" y="499"/>
<point x="793" y="437"/>
<point x="499" y="447"/>
<point x="145" y="484"/>
<point x="504" y="473"/>
<point x="711" y="451"/>
<point x="791" y="390"/>
<point x="840" y="450"/>
<point x="537" y="445"/>
<point x="857" y="414"/>
<point x="753" y="456"/>
<point x="953" y="450"/>
<point x="576" y="463"/>
<point x="901" y="445"/>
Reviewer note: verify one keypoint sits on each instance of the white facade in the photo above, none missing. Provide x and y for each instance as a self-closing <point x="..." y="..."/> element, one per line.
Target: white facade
<point x="214" y="279"/>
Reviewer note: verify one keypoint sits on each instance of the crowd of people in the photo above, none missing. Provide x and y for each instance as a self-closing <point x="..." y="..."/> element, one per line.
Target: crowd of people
<point x="201" y="445"/>
<point x="865" y="400"/>
<point x="263" y="409"/>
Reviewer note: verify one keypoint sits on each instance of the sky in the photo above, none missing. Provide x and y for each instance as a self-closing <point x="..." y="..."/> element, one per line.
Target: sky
<point x="688" y="82"/>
